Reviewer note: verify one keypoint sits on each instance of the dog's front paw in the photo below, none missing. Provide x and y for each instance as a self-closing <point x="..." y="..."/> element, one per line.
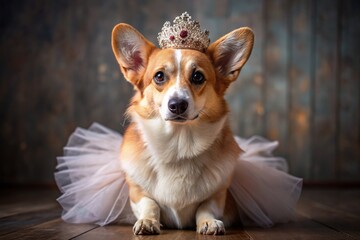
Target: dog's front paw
<point x="146" y="227"/>
<point x="211" y="227"/>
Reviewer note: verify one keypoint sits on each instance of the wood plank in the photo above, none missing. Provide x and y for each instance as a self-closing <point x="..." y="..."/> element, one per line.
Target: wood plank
<point x="346" y="200"/>
<point x="349" y="90"/>
<point x="331" y="215"/>
<point x="276" y="72"/>
<point x="21" y="201"/>
<point x="114" y="232"/>
<point x="303" y="229"/>
<point x="97" y="83"/>
<point x="300" y="62"/>
<point x="245" y="95"/>
<point x="17" y="208"/>
<point x="54" y="229"/>
<point x="20" y="221"/>
<point x="315" y="223"/>
<point x="36" y="89"/>
<point x="324" y="214"/>
<point x="325" y="95"/>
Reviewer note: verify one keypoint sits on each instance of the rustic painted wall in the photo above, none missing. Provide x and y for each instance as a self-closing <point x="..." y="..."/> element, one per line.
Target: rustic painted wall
<point x="301" y="85"/>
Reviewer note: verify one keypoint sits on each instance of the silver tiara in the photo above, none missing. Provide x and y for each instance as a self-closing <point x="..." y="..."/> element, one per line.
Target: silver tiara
<point x="184" y="33"/>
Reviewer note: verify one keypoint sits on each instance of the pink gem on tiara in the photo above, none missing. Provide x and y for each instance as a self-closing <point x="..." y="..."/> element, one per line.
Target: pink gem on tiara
<point x="184" y="33"/>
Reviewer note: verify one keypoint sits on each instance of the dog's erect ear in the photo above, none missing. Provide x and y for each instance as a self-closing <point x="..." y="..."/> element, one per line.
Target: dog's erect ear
<point x="132" y="51"/>
<point x="230" y="53"/>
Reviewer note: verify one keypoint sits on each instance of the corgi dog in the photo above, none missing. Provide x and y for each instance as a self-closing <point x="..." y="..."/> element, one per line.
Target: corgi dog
<point x="178" y="152"/>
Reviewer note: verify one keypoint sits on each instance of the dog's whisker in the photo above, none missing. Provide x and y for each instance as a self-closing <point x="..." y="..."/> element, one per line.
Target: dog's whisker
<point x="203" y="111"/>
<point x="127" y="117"/>
<point x="151" y="113"/>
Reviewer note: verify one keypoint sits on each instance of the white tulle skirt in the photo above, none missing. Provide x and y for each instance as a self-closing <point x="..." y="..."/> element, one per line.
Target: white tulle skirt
<point x="94" y="190"/>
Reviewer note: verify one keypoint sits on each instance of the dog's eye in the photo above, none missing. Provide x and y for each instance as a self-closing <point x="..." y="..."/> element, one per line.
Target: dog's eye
<point x="197" y="78"/>
<point x="159" y="77"/>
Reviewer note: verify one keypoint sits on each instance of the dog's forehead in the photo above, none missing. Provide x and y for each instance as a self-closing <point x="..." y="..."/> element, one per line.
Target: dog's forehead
<point x="172" y="58"/>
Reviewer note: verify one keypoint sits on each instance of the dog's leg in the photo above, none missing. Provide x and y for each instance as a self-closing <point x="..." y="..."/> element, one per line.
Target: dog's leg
<point x="208" y="214"/>
<point x="146" y="211"/>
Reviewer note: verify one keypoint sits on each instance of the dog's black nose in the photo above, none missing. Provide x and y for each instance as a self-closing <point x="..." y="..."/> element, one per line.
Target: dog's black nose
<point x="177" y="105"/>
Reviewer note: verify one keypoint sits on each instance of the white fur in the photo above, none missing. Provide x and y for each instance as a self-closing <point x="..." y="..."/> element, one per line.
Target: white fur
<point x="233" y="48"/>
<point x="169" y="142"/>
<point x="178" y="57"/>
<point x="145" y="208"/>
<point x="130" y="44"/>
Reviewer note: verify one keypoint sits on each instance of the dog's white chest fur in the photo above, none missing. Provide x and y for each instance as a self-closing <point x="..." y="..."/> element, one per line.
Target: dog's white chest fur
<point x="169" y="143"/>
<point x="185" y="171"/>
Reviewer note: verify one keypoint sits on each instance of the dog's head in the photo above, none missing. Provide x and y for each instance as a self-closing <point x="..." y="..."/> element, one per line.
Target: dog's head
<point x="181" y="86"/>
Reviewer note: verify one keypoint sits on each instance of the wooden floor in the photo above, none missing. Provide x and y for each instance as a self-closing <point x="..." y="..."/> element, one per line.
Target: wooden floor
<point x="321" y="214"/>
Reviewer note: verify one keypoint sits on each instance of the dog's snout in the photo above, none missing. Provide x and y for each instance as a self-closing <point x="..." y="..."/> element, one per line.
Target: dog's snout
<point x="177" y="105"/>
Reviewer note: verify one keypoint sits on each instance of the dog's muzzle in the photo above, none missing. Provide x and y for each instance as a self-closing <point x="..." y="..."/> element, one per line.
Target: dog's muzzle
<point x="178" y="110"/>
<point x="177" y="106"/>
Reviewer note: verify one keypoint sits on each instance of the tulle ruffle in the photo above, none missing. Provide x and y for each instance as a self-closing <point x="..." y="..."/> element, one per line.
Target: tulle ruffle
<point x="265" y="194"/>
<point x="94" y="190"/>
<point x="90" y="178"/>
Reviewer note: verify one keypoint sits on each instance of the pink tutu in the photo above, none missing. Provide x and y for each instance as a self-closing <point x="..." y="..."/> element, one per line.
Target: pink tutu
<point x="94" y="189"/>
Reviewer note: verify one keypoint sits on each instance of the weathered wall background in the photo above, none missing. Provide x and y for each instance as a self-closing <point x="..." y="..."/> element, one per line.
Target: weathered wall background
<point x="301" y="85"/>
